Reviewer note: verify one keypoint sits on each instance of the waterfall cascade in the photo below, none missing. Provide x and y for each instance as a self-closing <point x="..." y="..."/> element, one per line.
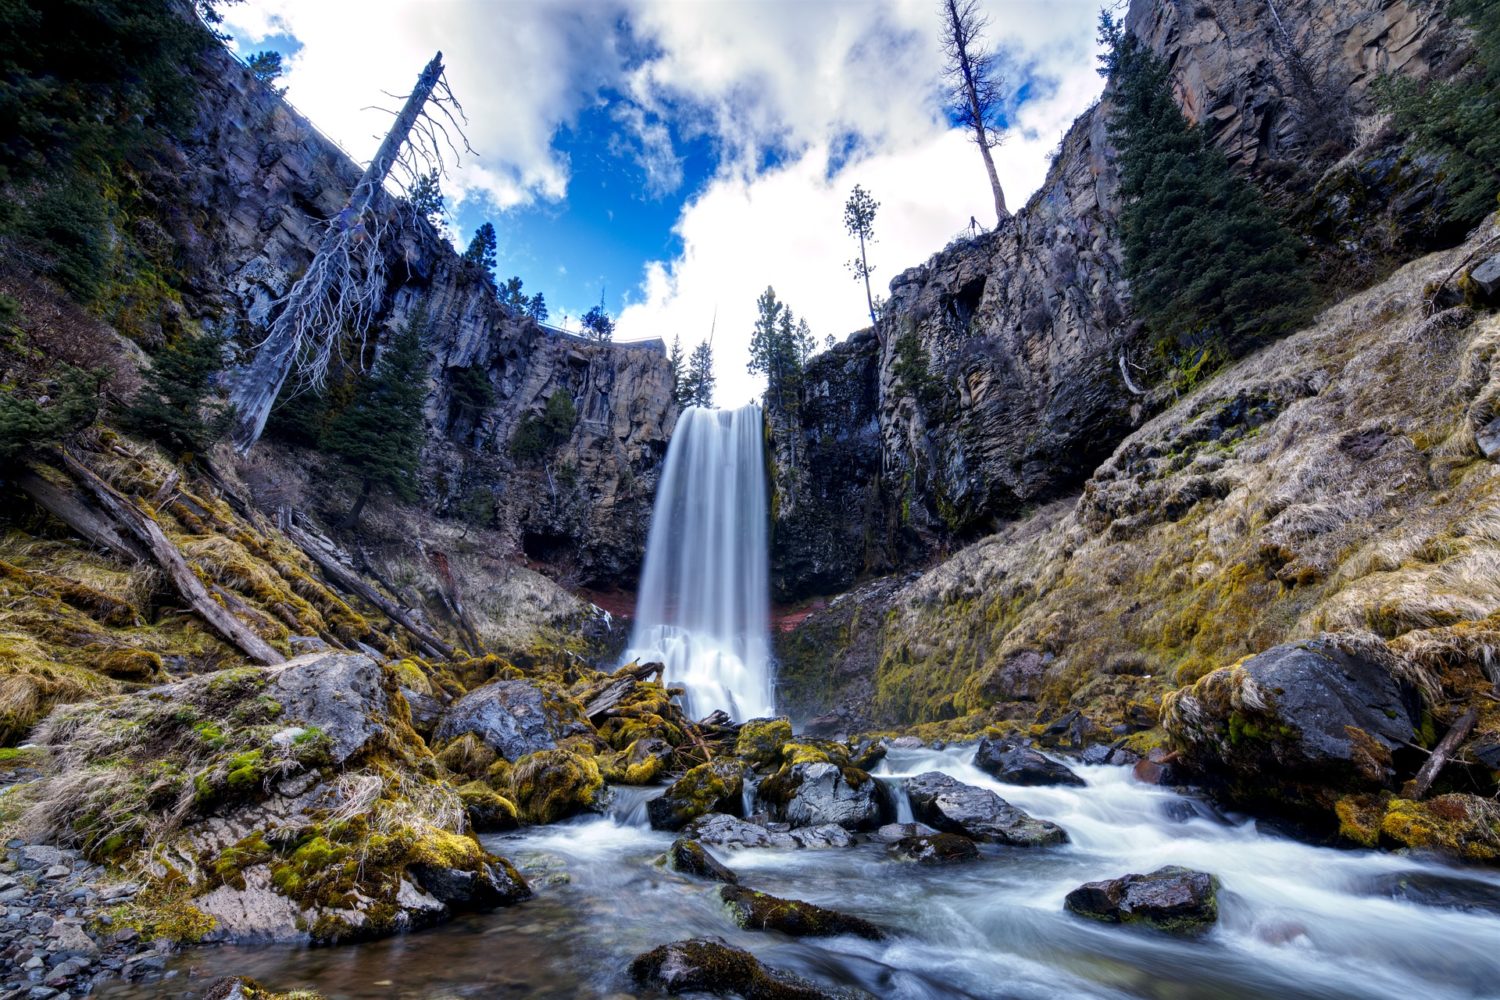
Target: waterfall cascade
<point x="704" y="606"/>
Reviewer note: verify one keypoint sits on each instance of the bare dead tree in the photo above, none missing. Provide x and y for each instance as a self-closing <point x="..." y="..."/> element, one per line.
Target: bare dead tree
<point x="342" y="289"/>
<point x="975" y="87"/>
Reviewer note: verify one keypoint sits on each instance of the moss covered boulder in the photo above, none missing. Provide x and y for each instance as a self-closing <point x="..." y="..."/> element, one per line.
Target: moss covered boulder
<point x="760" y="741"/>
<point x="713" y="787"/>
<point x="1297" y="726"/>
<point x="514" y="718"/>
<point x="1170" y="899"/>
<point x="709" y="966"/>
<point x="554" y="784"/>
<point x="488" y="810"/>
<point x="1459" y="825"/>
<point x="761" y="911"/>
<point x="691" y="858"/>
<point x="935" y="849"/>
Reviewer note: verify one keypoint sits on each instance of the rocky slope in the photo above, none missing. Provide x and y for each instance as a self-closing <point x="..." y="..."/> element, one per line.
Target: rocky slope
<point x="243" y="199"/>
<point x="1340" y="481"/>
<point x="1007" y="366"/>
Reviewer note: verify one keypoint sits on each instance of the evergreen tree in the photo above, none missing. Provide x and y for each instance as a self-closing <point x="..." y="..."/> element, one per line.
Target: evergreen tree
<point x="67" y="403"/>
<point x="537" y="308"/>
<point x="267" y="68"/>
<point x="512" y="298"/>
<point x="698" y="387"/>
<point x="1212" y="272"/>
<point x="481" y="251"/>
<point x="378" y="436"/>
<point x="859" y="220"/>
<point x="597" y="325"/>
<point x="779" y="348"/>
<point x="171" y="407"/>
<point x="426" y="197"/>
<point x="679" y="373"/>
<point x="1459" y="119"/>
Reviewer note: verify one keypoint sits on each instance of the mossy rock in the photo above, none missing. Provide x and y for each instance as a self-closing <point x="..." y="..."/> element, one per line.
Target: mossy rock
<point x="467" y="755"/>
<point x="244" y="988"/>
<point x="760" y="740"/>
<point x="712" y="787"/>
<point x="641" y="763"/>
<point x="1458" y="825"/>
<point x="554" y="784"/>
<point x="761" y="911"/>
<point x="691" y="858"/>
<point x="129" y="664"/>
<point x="489" y="811"/>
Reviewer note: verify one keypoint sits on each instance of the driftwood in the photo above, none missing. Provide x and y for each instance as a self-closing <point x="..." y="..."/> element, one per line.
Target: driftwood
<point x="453" y="600"/>
<point x="66" y="506"/>
<point x="600" y="699"/>
<point x="350" y="582"/>
<point x="1442" y="752"/>
<point x="149" y="536"/>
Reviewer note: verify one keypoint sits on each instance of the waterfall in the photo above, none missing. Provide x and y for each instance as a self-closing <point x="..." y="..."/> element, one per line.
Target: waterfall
<point x="704" y="607"/>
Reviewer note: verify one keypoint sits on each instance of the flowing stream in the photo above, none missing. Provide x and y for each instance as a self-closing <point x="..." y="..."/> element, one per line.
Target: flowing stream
<point x="704" y="608"/>
<point x="1295" y="920"/>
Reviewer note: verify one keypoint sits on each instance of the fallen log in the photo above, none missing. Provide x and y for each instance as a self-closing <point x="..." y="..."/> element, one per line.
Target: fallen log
<point x="1444" y="750"/>
<point x="454" y="601"/>
<point x="149" y="536"/>
<point x="350" y="582"/>
<point x="87" y="522"/>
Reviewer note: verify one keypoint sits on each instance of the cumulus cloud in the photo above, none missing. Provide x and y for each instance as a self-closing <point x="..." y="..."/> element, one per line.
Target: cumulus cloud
<point x="801" y="98"/>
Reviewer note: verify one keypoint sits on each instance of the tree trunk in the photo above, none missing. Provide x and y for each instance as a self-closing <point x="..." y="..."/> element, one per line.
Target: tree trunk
<point x="352" y="518"/>
<point x="865" y="267"/>
<point x="1001" y="212"/>
<point x="1440" y="754"/>
<point x="256" y="388"/>
<point x="170" y="559"/>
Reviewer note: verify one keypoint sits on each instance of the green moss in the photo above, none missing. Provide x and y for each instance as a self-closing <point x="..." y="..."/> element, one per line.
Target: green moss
<point x="553" y="784"/>
<point x="761" y="741"/>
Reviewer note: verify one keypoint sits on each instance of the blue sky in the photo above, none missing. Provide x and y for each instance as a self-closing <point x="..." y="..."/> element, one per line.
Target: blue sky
<point x="681" y="155"/>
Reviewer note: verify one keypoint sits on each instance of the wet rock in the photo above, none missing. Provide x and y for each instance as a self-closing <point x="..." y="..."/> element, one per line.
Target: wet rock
<point x="1014" y="764"/>
<point x="813" y="794"/>
<point x="514" y="718"/>
<point x="722" y="830"/>
<point x="978" y="813"/>
<point x="935" y="849"/>
<point x="341" y="694"/>
<point x="496" y="883"/>
<point x="1298" y="723"/>
<point x="245" y="988"/>
<point x="1170" y="899"/>
<point x="712" y="787"/>
<point x="892" y="832"/>
<point x="761" y="911"/>
<point x="1447" y="891"/>
<point x="702" y="965"/>
<point x="690" y="858"/>
<point x="906" y="743"/>
<point x="1158" y="767"/>
<point x="489" y="811"/>
<point x="426" y="711"/>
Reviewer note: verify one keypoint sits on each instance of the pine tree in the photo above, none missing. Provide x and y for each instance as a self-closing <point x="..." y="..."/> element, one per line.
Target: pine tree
<point x="597" y="325"/>
<point x="267" y="68"/>
<point x="536" y="308"/>
<point x="779" y="348"/>
<point x="481" y="251"/>
<point x="378" y="436"/>
<point x="1212" y="272"/>
<point x="426" y="197"/>
<point x="1459" y="119"/>
<point x="699" y="384"/>
<point x="859" y="220"/>
<point x="512" y="297"/>
<point x="171" y="407"/>
<point x="679" y="373"/>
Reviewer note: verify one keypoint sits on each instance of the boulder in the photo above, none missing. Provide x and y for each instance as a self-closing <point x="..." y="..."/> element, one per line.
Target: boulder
<point x="892" y="832"/>
<point x="951" y="806"/>
<point x="729" y="831"/>
<point x="1014" y="764"/>
<point x="489" y="811"/>
<point x="690" y="858"/>
<point x="495" y="883"/>
<point x="713" y="787"/>
<point x="1298" y="724"/>
<point x="935" y="849"/>
<point x="701" y="965"/>
<point x="813" y="794"/>
<point x="759" y="911"/>
<point x="1170" y="899"/>
<point x="554" y="784"/>
<point x="760" y="741"/>
<point x="514" y="718"/>
<point x="1445" y="891"/>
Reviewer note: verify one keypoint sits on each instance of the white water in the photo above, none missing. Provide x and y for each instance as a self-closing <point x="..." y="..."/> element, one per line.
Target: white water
<point x="704" y="607"/>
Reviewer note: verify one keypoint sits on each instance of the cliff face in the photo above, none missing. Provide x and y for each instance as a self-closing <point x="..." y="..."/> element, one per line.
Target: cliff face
<point x="245" y="198"/>
<point x="1006" y="365"/>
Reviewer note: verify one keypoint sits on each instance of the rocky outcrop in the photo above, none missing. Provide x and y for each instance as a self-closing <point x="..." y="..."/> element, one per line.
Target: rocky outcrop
<point x="950" y="805"/>
<point x="818" y="793"/>
<point x="1300" y="722"/>
<point x="244" y="199"/>
<point x="1170" y="899"/>
<point x="1003" y="367"/>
